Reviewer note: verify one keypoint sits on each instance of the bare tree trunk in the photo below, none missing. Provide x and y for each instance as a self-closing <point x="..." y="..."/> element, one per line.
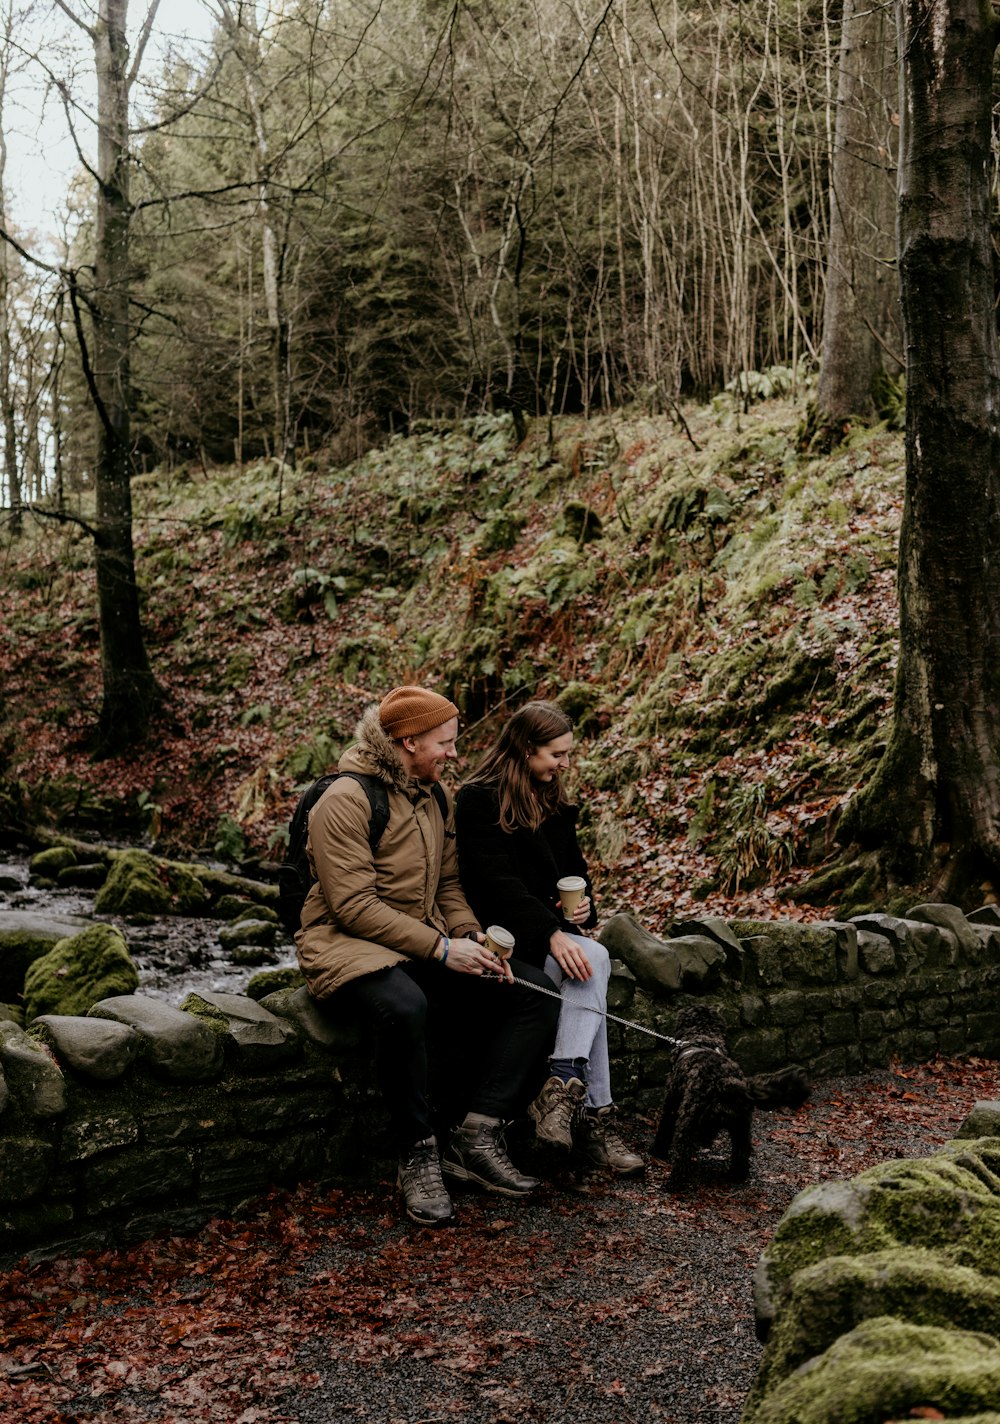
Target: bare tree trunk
<point x="860" y="326"/>
<point x="130" y="690"/>
<point x="934" y="805"/>
<point x="12" y="476"/>
<point x="242" y="27"/>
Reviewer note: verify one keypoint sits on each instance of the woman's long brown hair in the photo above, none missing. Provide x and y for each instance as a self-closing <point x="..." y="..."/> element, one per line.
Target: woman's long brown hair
<point x="524" y="801"/>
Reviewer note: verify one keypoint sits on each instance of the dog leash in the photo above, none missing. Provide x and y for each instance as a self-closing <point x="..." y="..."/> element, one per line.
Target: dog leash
<point x="602" y="1013"/>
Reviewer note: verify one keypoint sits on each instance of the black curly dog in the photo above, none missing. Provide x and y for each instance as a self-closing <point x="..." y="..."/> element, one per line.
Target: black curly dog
<point x="708" y="1093"/>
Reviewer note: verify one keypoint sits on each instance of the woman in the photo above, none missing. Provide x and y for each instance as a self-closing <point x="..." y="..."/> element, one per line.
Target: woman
<point x="516" y="837"/>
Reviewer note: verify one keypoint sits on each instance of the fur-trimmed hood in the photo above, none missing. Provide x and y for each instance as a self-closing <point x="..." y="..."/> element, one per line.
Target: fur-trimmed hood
<point x="375" y="753"/>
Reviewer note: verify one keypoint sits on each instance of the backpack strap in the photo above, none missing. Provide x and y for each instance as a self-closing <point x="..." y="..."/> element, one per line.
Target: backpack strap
<point x="378" y="801"/>
<point x="437" y="791"/>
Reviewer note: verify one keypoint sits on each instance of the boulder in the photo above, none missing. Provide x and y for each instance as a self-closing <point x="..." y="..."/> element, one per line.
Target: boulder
<point x="25" y="935"/>
<point x="833" y="1297"/>
<point x="950" y="917"/>
<point x="260" y="1038"/>
<point x="248" y="932"/>
<point x="702" y="961"/>
<point x="47" y="864"/>
<point x="982" y="1121"/>
<point x="31" y="1073"/>
<point x="325" y="1027"/>
<point x="78" y="972"/>
<point x="97" y="1048"/>
<point x="888" y="1369"/>
<point x="655" y="964"/>
<point x="269" y="981"/>
<point x="176" y="1045"/>
<point x="139" y="884"/>
<point x="90" y="876"/>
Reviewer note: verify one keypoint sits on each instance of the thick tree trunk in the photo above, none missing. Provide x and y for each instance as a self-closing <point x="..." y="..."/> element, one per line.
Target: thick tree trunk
<point x="861" y="315"/>
<point x="129" y="689"/>
<point x="934" y="804"/>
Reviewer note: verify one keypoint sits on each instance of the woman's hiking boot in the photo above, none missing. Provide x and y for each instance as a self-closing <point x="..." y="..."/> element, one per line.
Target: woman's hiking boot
<point x="556" y="1109"/>
<point x="478" y="1153"/>
<point x="600" y="1144"/>
<point x="424" y="1194"/>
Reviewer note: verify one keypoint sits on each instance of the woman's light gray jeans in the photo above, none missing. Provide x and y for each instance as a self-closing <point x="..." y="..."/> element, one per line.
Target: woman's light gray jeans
<point x="581" y="1033"/>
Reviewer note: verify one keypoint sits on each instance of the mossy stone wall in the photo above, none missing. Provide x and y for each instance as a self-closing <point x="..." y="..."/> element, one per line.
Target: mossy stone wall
<point x="138" y="1117"/>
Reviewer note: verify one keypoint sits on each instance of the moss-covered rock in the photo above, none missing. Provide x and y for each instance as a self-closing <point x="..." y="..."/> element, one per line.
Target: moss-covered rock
<point x="939" y="1203"/>
<point x="885" y="1369"/>
<point x="139" y="884"/>
<point x="79" y="972"/>
<point x="269" y="981"/>
<point x="248" y="932"/>
<point x="47" y="863"/>
<point x="90" y="876"/>
<point x="25" y="935"/>
<point x="833" y="1297"/>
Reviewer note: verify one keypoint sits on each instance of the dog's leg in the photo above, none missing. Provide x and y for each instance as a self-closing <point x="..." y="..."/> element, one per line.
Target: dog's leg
<point x="685" y="1141"/>
<point x="665" y="1128"/>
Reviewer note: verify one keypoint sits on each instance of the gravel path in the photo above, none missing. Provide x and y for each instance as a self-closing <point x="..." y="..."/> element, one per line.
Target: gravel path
<point x="612" y="1305"/>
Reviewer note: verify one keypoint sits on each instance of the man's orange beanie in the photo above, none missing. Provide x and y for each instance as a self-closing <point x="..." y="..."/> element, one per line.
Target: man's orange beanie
<point x="408" y="711"/>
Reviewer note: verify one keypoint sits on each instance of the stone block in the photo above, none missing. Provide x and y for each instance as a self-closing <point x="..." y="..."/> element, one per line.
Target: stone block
<point x="876" y="952"/>
<point x="787" y="1008"/>
<point x="621" y="987"/>
<point x="839" y="1028"/>
<point x="26" y="1165"/>
<point x="193" y="1123"/>
<point x="805" y="1042"/>
<point x="138" y="1175"/>
<point x="760" y="1051"/>
<point x="89" y="1136"/>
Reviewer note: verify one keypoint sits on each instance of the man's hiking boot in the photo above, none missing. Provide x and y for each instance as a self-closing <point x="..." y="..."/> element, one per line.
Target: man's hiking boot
<point x="424" y="1193"/>
<point x="556" y="1109"/>
<point x="478" y="1153"/>
<point x="601" y="1146"/>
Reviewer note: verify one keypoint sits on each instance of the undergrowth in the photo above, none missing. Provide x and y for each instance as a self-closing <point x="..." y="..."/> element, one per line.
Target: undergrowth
<point x="715" y="605"/>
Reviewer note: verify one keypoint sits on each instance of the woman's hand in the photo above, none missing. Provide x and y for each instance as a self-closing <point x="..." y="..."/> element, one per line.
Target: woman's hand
<point x="569" y="956"/>
<point x="581" y="914"/>
<point x="468" y="957"/>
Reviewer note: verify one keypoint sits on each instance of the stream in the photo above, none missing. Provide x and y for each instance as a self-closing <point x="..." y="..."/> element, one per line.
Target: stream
<point x="175" y="955"/>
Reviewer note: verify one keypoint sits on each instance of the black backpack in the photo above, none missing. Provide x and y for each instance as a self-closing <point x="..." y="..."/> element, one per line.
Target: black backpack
<point x="295" y="878"/>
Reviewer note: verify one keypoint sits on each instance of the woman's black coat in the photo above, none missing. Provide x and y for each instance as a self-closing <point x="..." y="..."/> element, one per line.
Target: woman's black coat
<point x="509" y="878"/>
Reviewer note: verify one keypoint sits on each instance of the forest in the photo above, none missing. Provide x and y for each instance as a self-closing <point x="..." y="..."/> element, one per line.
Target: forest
<point x="639" y="354"/>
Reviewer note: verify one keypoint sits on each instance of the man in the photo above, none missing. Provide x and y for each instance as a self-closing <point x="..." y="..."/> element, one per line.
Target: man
<point x="389" y="933"/>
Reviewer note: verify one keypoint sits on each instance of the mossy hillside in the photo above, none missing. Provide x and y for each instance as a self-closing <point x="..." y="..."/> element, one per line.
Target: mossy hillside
<point x="731" y="622"/>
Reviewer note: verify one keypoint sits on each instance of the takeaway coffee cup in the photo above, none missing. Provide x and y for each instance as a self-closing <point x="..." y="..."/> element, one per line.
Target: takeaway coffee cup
<point x="571" y="891"/>
<point x="500" y="941"/>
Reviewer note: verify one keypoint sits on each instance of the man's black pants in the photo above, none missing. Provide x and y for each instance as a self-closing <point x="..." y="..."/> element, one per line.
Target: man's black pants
<point x="448" y="1043"/>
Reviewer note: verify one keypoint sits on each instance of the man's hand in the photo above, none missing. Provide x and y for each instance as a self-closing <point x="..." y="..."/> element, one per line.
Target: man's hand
<point x="569" y="956"/>
<point x="468" y="957"/>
